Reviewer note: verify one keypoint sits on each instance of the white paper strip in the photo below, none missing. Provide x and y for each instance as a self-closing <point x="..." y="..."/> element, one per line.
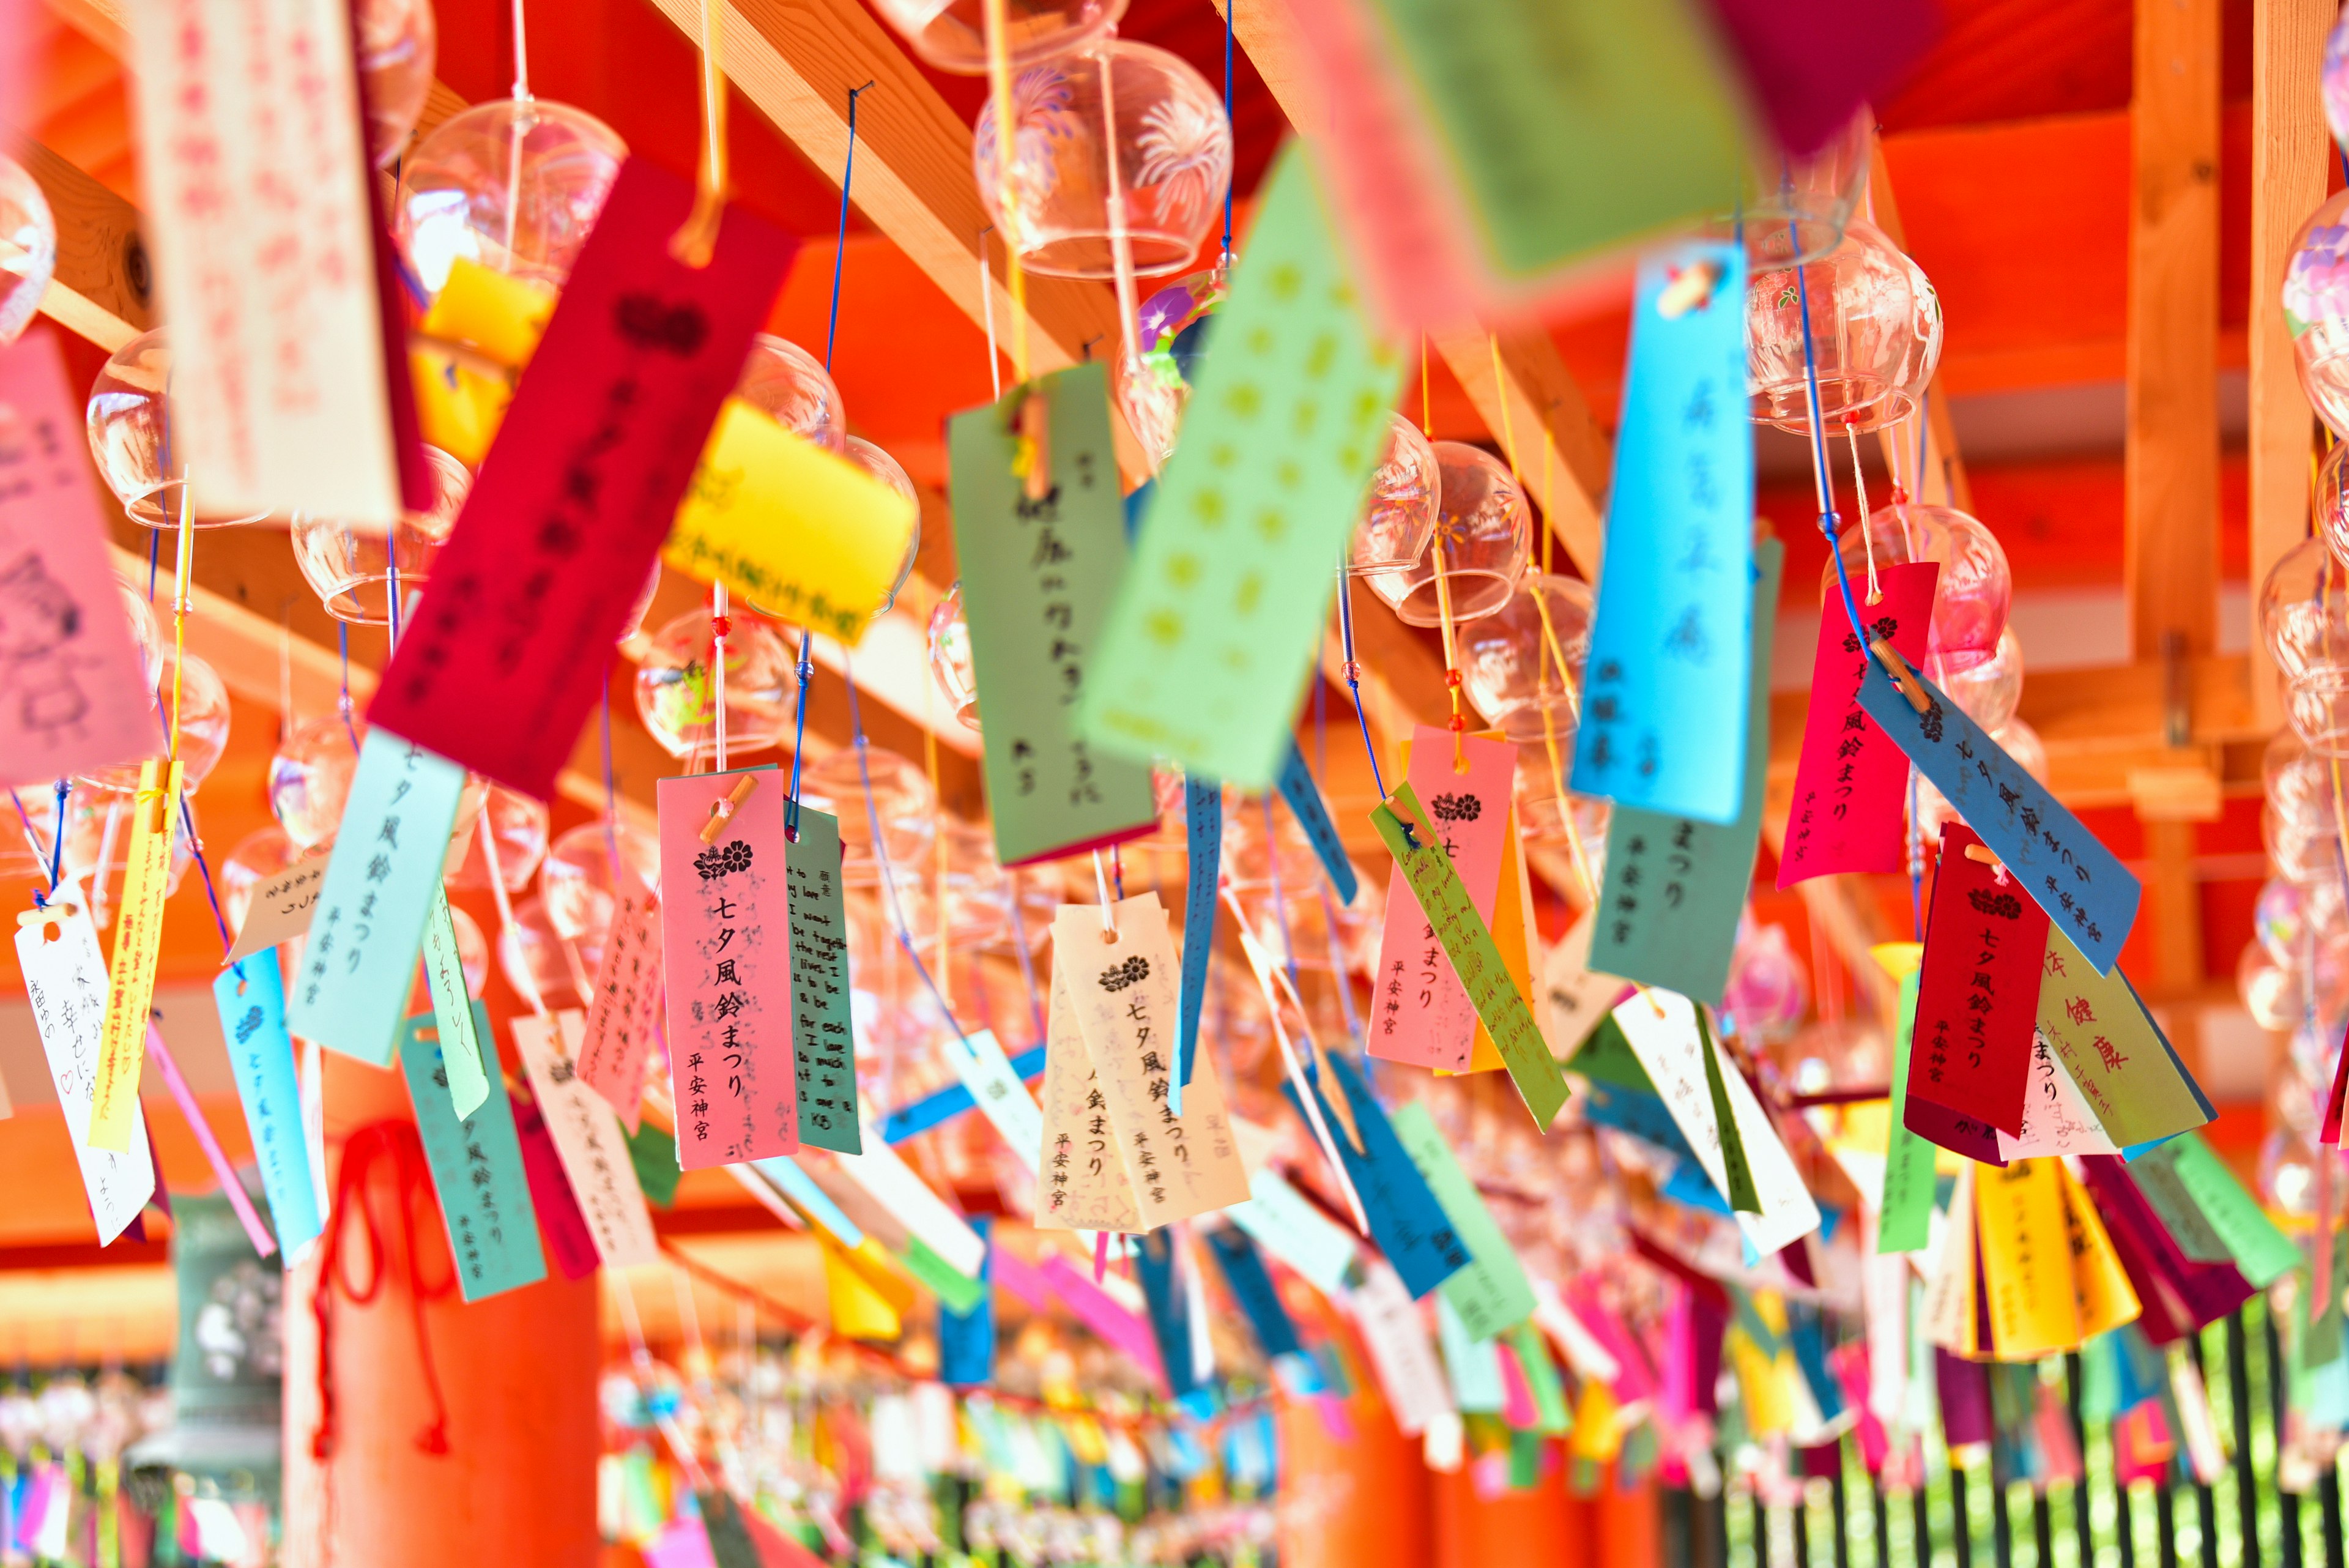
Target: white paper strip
<point x="66" y="978"/>
<point x="587" y="1138"/>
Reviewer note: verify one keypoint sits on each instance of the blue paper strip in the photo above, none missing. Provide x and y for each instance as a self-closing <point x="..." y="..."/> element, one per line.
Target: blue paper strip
<point x="1203" y="818"/>
<point x="1408" y="1223"/>
<point x="1252" y="1287"/>
<point x="1304" y="798"/>
<point x="1170" y="1313"/>
<point x="814" y="1201"/>
<point x="1688" y="1184"/>
<point x="1663" y="721"/>
<point x="251" y="997"/>
<point x="476" y="1165"/>
<point x="966" y="1339"/>
<point x="927" y="1112"/>
<point x="1645" y="1117"/>
<point x="2084" y="889"/>
<point x="369" y="927"/>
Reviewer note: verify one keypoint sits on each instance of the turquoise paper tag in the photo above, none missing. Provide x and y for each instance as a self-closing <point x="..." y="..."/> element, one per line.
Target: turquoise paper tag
<point x="251" y="997"/>
<point x="476" y="1167"/>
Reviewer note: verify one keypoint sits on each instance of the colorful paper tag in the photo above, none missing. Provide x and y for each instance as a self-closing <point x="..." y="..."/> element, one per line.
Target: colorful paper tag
<point x="1907" y="1214"/>
<point x="2262" y="1252"/>
<point x="889" y="1181"/>
<point x="358" y="966"/>
<point x="462" y="1050"/>
<point x="994" y="1088"/>
<point x="1202" y="832"/>
<point x="460" y="406"/>
<point x="1285" y="1223"/>
<point x="137" y="943"/>
<point x="1675" y="885"/>
<point x="2100" y="1286"/>
<point x="476" y="1169"/>
<point x="1406" y="1220"/>
<point x="588" y="1136"/>
<point x="1037" y="579"/>
<point x="1575" y="998"/>
<point x="1422" y="1014"/>
<point x="1123" y="987"/>
<point x="627" y="996"/>
<point x="1305" y="803"/>
<point x="2133" y="1083"/>
<point x="74" y="698"/>
<point x="1978" y="993"/>
<point x="966" y="1339"/>
<point x="1083" y="1185"/>
<point x="1492" y="1292"/>
<point x="1217" y="623"/>
<point x="263" y="234"/>
<point x="726" y="956"/>
<point x="1474" y="959"/>
<point x="280" y="909"/>
<point x="823" y="1042"/>
<point x="2026" y="1259"/>
<point x="801" y="534"/>
<point x="2091" y="896"/>
<point x="1665" y="698"/>
<point x="1408" y="1372"/>
<point x="2056" y="1117"/>
<point x="507" y="654"/>
<point x="561" y="1228"/>
<point x="64" y="980"/>
<point x="250" y="1000"/>
<point x="1850" y="809"/>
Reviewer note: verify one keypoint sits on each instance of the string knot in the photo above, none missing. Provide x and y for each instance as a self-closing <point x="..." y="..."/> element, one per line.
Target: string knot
<point x="1452" y="678"/>
<point x="720" y="626"/>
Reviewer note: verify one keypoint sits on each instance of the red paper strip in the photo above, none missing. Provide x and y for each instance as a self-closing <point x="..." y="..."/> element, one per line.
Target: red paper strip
<point x="726" y="956"/>
<point x="1945" y="1129"/>
<point x="1812" y="64"/>
<point x="1977" y="991"/>
<point x="2333" y="1102"/>
<point x="508" y="653"/>
<point x="2177" y="1292"/>
<point x="560" y="1221"/>
<point x="1847" y="813"/>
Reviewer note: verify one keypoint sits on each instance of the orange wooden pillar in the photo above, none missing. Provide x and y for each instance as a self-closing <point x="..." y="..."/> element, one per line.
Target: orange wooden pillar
<point x="1361" y="1503"/>
<point x="1627" y="1527"/>
<point x="517" y="1485"/>
<point x="1540" y="1527"/>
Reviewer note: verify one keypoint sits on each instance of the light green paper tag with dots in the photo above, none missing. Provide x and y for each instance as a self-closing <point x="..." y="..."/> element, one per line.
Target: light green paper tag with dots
<point x="1218" y="619"/>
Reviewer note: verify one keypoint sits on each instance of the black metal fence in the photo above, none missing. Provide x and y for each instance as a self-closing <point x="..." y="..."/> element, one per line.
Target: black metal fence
<point x="1970" y="1513"/>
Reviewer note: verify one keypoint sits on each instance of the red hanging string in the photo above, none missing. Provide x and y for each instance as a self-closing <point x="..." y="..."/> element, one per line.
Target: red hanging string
<point x="397" y="1143"/>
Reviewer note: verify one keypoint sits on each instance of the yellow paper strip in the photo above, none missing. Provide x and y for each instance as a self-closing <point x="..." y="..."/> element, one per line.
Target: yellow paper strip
<point x="2101" y="1291"/>
<point x="137" y="936"/>
<point x="2026" y="1259"/>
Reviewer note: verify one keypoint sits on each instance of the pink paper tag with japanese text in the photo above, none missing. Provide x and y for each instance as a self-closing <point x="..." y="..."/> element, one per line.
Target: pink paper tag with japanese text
<point x="727" y="958"/>
<point x="1422" y="1014"/>
<point x="1978" y="990"/>
<point x="73" y="698"/>
<point x="1847" y="810"/>
<point x="620" y="1014"/>
<point x="507" y="653"/>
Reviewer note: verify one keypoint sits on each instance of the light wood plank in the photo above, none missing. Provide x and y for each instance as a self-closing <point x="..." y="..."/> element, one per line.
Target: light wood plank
<point x="2171" y="556"/>
<point x="2291" y="159"/>
<point x="101" y="289"/>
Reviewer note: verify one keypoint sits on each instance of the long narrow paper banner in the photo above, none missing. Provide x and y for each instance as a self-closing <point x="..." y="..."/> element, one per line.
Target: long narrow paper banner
<point x="587" y="1138"/>
<point x="1216" y="624"/>
<point x="1285" y="1224"/>
<point x="1092" y="1306"/>
<point x="492" y="1223"/>
<point x="1469" y="944"/>
<point x="823" y="1042"/>
<point x="995" y="1086"/>
<point x="359" y="964"/>
<point x="1406" y="1362"/>
<point x="137" y="942"/>
<point x="231" y="1186"/>
<point x="461" y="1049"/>
<point x="1492" y="1293"/>
<point x="1122" y="988"/>
<point x="2262" y="1252"/>
<point x="1082" y="1185"/>
<point x="890" y="1182"/>
<point x="725" y="939"/>
<point x="1978" y="989"/>
<point x="1675" y="885"/>
<point x="1405" y="1217"/>
<point x="250" y="997"/>
<point x="2133" y="1082"/>
<point x="1202" y="831"/>
<point x="1848" y="811"/>
<point x="627" y="997"/>
<point x="258" y="214"/>
<point x="1665" y="697"/>
<point x="1312" y="813"/>
<point x="79" y="700"/>
<point x="502" y="663"/>
<point x="65" y="978"/>
<point x="1251" y="1285"/>
<point x="1421" y="1013"/>
<point x="2026" y="1259"/>
<point x="1037" y="580"/>
<point x="966" y="1339"/>
<point x="2089" y="895"/>
<point x="1906" y="1225"/>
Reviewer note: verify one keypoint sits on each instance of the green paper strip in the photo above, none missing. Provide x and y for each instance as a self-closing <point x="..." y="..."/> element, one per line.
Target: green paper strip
<point x="1492" y="1293"/>
<point x="1907" y="1221"/>
<point x="1037" y="581"/>
<point x="940" y="1277"/>
<point x="1607" y="1057"/>
<point x="1524" y="1461"/>
<point x="653" y="1151"/>
<point x="461" y="1048"/>
<point x="2158" y="1178"/>
<point x="2262" y="1252"/>
<point x="1468" y="941"/>
<point x="1742" y="1196"/>
<point x="1217" y="622"/>
<point x="823" y="1046"/>
<point x="1551" y="1416"/>
<point x="731" y="1545"/>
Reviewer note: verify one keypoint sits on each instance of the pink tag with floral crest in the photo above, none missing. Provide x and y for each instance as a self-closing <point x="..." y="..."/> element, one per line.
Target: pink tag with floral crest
<point x="1420" y="1011"/>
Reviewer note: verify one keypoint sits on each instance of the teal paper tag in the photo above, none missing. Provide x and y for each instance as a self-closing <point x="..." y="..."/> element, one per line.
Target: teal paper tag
<point x="823" y="1047"/>
<point x="250" y="1000"/>
<point x="476" y="1167"/>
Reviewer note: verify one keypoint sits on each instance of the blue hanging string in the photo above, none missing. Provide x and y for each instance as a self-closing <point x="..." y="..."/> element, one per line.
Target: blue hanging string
<point x="880" y="854"/>
<point x="220" y="921"/>
<point x="1354" y="680"/>
<point x="57" y="839"/>
<point x="342" y="636"/>
<point x="840" y="248"/>
<point x="806" y="672"/>
<point x="154" y="560"/>
<point x="1225" y="260"/>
